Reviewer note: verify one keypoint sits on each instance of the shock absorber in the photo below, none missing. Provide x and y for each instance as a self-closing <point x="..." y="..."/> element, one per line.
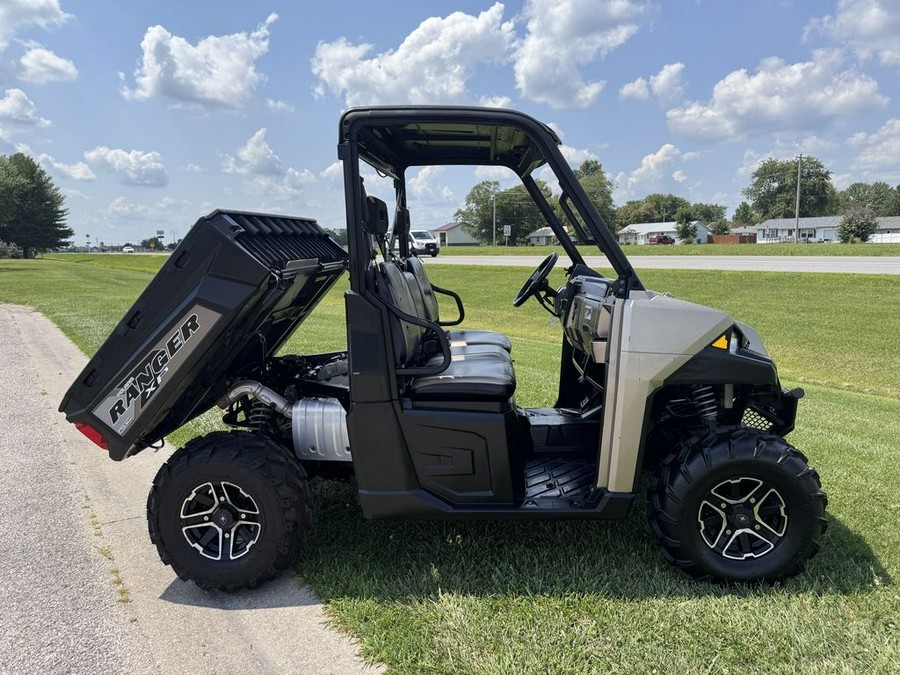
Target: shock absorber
<point x="260" y="415"/>
<point x="705" y="401"/>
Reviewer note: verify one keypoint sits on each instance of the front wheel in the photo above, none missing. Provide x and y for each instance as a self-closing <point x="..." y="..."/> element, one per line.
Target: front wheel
<point x="229" y="510"/>
<point x="738" y="505"/>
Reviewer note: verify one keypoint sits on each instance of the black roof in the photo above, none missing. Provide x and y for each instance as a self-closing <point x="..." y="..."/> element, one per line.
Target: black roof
<point x="394" y="137"/>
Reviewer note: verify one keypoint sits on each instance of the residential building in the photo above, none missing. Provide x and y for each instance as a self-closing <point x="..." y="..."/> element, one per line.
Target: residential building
<point x="453" y="234"/>
<point x="640" y="233"/>
<point x="542" y="237"/>
<point x="821" y="229"/>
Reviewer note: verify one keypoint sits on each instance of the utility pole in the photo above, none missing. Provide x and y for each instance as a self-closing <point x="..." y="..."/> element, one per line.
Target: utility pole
<point x="494" y="203"/>
<point x="797" y="207"/>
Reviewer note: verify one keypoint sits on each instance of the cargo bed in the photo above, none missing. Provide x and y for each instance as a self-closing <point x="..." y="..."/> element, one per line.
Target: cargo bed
<point x="223" y="303"/>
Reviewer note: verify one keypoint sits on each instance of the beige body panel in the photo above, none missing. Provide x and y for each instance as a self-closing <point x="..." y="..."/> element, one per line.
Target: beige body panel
<point x="651" y="337"/>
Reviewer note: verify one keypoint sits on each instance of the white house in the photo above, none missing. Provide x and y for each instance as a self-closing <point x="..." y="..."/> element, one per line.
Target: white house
<point x="542" y="237"/>
<point x="640" y="233"/>
<point x="821" y="228"/>
<point x="453" y="234"/>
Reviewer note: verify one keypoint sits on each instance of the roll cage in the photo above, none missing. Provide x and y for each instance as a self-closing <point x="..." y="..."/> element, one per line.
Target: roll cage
<point x="392" y="139"/>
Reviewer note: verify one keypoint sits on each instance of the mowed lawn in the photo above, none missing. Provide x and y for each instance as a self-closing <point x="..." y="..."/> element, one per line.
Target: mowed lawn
<point x="597" y="597"/>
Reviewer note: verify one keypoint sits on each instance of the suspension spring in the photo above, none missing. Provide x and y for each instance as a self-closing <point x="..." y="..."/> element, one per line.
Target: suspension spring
<point x="705" y="401"/>
<point x="260" y="415"/>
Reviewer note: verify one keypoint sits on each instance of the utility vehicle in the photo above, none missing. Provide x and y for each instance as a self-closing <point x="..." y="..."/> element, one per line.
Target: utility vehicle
<point x="421" y="415"/>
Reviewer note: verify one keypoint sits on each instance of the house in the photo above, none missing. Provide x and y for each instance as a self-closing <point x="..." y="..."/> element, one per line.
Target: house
<point x="542" y="237"/>
<point x="640" y="233"/>
<point x="822" y="228"/>
<point x="453" y="234"/>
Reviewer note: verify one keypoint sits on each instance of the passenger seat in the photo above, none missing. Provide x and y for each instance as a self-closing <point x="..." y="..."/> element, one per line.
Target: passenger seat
<point x="432" y="311"/>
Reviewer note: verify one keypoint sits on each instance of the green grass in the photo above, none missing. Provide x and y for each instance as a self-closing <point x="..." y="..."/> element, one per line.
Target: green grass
<point x="695" y="249"/>
<point x="595" y="597"/>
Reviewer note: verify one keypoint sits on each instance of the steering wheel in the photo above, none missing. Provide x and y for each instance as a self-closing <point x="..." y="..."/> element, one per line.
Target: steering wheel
<point x="536" y="280"/>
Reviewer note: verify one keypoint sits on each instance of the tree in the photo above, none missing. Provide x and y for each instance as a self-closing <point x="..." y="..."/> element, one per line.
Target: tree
<point x="858" y="224"/>
<point x="32" y="212"/>
<point x="515" y="208"/>
<point x="654" y="208"/>
<point x="744" y="215"/>
<point x="153" y="243"/>
<point x="712" y="216"/>
<point x="340" y="236"/>
<point x="879" y="196"/>
<point x="635" y="211"/>
<point x="686" y="232"/>
<point x="599" y="190"/>
<point x="773" y="189"/>
<point x="686" y="227"/>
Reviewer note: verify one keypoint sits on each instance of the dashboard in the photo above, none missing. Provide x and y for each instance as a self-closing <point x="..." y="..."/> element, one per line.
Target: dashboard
<point x="585" y="307"/>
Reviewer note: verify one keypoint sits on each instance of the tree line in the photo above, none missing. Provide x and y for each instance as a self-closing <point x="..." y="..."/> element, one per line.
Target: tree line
<point x="772" y="193"/>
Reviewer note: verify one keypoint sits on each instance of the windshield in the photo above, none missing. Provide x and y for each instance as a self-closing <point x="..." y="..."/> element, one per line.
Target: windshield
<point x="421" y="234"/>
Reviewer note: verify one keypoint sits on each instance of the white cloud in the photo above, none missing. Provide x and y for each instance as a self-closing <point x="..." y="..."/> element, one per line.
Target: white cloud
<point x="40" y="65"/>
<point x="691" y="156"/>
<point x="16" y="14"/>
<point x="219" y="71"/>
<point x="75" y="194"/>
<point x="77" y="171"/>
<point x="190" y="167"/>
<point x="666" y="84"/>
<point x="285" y="187"/>
<point x="433" y="64"/>
<point x="423" y="185"/>
<point x="868" y="27"/>
<point x="576" y="156"/>
<point x="878" y="150"/>
<point x="650" y="170"/>
<point x="17" y="110"/>
<point x="122" y="206"/>
<point x="500" y="173"/>
<point x="495" y="101"/>
<point x="637" y="90"/>
<point x="563" y="35"/>
<point x="256" y="156"/>
<point x="269" y="175"/>
<point x="679" y="176"/>
<point x="134" y="167"/>
<point x="333" y="172"/>
<point x="778" y="97"/>
<point x="278" y="106"/>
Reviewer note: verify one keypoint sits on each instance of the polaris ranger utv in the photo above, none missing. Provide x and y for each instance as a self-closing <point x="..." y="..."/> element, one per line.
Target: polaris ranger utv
<point x="421" y="416"/>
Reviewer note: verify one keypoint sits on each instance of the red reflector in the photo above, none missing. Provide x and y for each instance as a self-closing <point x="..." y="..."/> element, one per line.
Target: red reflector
<point x="93" y="435"/>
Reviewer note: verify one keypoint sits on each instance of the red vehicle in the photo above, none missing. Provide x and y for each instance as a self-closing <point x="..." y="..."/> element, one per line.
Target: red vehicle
<point x="661" y="239"/>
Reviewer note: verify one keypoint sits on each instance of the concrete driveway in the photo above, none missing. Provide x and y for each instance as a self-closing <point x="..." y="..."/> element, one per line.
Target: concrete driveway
<point x="82" y="590"/>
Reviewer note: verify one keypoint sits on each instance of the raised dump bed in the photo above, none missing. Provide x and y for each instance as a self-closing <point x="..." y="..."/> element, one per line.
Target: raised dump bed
<point x="227" y="298"/>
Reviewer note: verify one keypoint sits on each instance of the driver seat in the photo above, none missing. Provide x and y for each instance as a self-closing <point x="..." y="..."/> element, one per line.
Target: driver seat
<point x="458" y="338"/>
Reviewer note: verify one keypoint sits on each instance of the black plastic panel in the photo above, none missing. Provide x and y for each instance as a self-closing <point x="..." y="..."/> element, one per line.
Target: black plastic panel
<point x="226" y="299"/>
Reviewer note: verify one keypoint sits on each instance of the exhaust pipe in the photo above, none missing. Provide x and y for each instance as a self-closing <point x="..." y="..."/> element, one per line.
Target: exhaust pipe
<point x="259" y="392"/>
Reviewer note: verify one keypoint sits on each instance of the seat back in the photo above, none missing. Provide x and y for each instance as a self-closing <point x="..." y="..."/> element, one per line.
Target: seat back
<point x="423" y="285"/>
<point x="394" y="288"/>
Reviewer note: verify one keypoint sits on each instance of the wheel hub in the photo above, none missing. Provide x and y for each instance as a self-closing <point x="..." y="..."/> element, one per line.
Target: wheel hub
<point x="220" y="520"/>
<point x="742" y="518"/>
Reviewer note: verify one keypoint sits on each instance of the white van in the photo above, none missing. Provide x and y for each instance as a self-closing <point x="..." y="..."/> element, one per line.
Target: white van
<point x="422" y="242"/>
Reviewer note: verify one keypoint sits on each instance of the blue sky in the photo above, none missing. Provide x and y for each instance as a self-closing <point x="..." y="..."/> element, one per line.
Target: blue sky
<point x="150" y="114"/>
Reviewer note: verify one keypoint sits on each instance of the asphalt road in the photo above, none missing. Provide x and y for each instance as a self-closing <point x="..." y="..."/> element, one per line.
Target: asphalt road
<point x="830" y="264"/>
<point x="75" y="543"/>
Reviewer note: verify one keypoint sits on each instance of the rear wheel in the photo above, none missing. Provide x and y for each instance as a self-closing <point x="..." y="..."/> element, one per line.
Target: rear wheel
<point x="738" y="505"/>
<point x="229" y="510"/>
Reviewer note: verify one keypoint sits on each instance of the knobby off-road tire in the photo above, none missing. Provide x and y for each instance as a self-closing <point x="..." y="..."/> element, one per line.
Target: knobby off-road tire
<point x="737" y="506"/>
<point x="252" y="487"/>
